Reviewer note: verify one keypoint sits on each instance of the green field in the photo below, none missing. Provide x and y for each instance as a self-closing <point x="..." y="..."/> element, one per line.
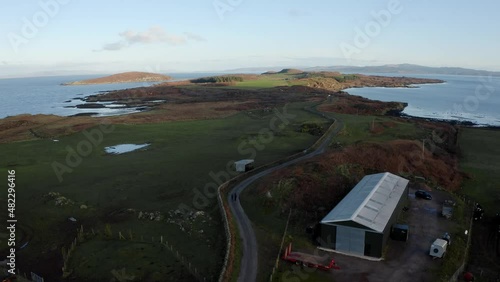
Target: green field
<point x="357" y="128"/>
<point x="269" y="224"/>
<point x="270" y="221"/>
<point x="268" y="81"/>
<point x="173" y="170"/>
<point x="480" y="149"/>
<point x="481" y="160"/>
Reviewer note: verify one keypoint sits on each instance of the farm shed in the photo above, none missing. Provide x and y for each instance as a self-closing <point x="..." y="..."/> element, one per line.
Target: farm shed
<point x="361" y="223"/>
<point x="243" y="165"/>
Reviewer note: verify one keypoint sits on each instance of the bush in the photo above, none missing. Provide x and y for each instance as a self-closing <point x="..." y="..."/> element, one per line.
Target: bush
<point x="218" y="79"/>
<point x="346" y="77"/>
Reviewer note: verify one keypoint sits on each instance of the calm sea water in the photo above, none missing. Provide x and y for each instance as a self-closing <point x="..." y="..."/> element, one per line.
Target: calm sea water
<point x="469" y="98"/>
<point x="45" y="95"/>
<point x="466" y="98"/>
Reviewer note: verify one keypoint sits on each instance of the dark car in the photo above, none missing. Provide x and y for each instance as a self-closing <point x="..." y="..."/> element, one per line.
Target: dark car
<point x="478" y="212"/>
<point x="423" y="194"/>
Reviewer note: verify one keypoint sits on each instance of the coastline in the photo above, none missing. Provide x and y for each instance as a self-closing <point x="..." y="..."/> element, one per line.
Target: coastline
<point x="108" y="103"/>
<point x="145" y="107"/>
<point x="468" y="124"/>
<point x="459" y="100"/>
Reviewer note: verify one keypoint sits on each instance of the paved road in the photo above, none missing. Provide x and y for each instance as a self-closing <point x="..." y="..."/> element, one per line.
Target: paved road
<point x="249" y="261"/>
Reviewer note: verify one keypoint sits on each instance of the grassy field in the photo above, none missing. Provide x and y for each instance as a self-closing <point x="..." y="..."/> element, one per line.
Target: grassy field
<point x="270" y="221"/>
<point x="480" y="159"/>
<point x="114" y="189"/>
<point x="269" y="224"/>
<point x="359" y="128"/>
<point x="268" y="81"/>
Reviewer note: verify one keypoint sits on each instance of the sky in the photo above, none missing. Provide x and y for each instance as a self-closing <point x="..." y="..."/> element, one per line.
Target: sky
<point x="90" y="36"/>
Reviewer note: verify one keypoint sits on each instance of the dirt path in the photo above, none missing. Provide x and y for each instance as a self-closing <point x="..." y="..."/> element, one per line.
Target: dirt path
<point x="249" y="261"/>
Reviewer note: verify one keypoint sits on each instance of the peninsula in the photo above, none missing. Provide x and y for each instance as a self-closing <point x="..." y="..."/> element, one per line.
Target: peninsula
<point x="124" y="77"/>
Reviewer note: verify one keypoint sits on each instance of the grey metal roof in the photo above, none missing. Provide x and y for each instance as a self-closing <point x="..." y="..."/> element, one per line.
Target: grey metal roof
<point x="371" y="202"/>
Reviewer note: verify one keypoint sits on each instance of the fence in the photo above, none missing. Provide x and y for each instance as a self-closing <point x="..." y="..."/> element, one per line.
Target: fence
<point x="109" y="235"/>
<point x="228" y="266"/>
<point x="276" y="264"/>
<point x="461" y="268"/>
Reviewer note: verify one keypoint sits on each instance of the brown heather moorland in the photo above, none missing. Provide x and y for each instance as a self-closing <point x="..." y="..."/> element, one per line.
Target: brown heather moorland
<point x="192" y="101"/>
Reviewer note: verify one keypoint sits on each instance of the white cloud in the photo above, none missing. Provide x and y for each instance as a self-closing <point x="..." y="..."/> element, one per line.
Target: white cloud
<point x="153" y="35"/>
<point x="114" y="46"/>
<point x="194" y="37"/>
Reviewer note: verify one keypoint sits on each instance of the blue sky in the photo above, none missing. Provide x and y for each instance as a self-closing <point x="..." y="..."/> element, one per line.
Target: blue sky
<point x="207" y="35"/>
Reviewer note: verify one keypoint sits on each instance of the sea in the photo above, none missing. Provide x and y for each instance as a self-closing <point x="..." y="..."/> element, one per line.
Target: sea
<point x="473" y="99"/>
<point x="46" y="95"/>
<point x="466" y="98"/>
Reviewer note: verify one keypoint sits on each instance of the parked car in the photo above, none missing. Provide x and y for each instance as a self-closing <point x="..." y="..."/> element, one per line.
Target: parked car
<point x="423" y="195"/>
<point x="478" y="212"/>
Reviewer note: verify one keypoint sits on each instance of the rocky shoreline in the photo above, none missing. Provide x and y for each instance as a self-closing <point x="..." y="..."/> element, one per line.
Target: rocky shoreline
<point x="463" y="123"/>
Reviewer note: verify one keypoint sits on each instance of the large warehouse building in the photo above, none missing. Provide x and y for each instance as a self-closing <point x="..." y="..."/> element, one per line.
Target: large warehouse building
<point x="361" y="223"/>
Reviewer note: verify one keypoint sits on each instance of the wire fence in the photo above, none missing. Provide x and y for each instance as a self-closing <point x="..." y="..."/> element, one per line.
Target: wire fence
<point x="84" y="236"/>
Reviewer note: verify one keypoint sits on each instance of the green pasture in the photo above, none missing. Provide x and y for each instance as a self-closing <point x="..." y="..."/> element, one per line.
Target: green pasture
<point x="180" y="169"/>
<point x="480" y="149"/>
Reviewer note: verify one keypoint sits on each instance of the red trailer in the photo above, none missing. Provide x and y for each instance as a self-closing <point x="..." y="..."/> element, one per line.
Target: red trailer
<point x="323" y="263"/>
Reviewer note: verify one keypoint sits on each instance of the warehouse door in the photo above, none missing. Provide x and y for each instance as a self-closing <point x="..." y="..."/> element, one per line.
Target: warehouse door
<point x="350" y="240"/>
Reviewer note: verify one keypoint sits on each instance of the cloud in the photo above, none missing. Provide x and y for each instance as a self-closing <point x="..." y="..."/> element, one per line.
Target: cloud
<point x="5" y="62"/>
<point x="194" y="37"/>
<point x="153" y="35"/>
<point x="114" y="46"/>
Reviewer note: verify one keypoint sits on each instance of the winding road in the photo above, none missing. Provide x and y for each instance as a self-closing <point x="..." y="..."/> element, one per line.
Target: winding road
<point x="249" y="260"/>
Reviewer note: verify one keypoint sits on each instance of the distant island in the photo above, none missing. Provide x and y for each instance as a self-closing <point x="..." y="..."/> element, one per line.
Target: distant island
<point x="125" y="77"/>
<point x="407" y="69"/>
<point x="401" y="69"/>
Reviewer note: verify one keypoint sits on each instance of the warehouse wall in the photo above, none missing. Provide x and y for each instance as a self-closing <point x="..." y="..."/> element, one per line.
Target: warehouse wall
<point x="374" y="241"/>
<point x="328" y="236"/>
<point x="374" y="244"/>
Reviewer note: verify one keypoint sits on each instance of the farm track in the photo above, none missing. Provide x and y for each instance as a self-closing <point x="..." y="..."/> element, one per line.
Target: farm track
<point x="249" y="260"/>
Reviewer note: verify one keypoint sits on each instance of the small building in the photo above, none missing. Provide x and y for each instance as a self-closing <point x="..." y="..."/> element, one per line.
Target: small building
<point x="243" y="165"/>
<point x="361" y="223"/>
